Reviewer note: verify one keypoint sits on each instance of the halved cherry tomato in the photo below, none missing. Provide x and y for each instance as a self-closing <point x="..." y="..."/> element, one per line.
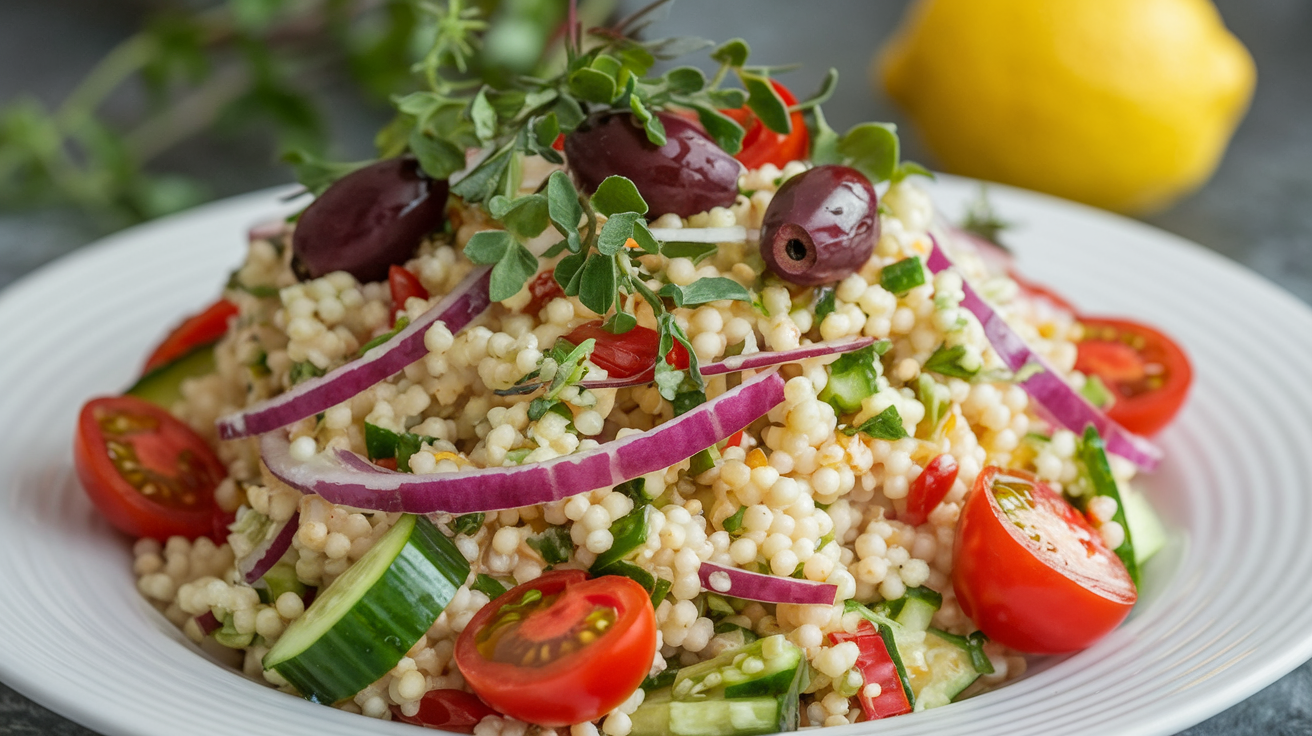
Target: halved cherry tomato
<point x="629" y="354"/>
<point x="1030" y="571"/>
<point x="403" y="285"/>
<point x="147" y="473"/>
<point x="543" y="288"/>
<point x="561" y="649"/>
<point x="195" y="331"/>
<point x="763" y="146"/>
<point x="929" y="489"/>
<point x="449" y="710"/>
<point x="1146" y="371"/>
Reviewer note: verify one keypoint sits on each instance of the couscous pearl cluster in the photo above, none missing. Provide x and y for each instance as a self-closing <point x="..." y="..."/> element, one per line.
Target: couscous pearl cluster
<point x="809" y="500"/>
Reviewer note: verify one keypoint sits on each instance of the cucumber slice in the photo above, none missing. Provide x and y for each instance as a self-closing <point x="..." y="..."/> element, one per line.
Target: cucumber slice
<point x="629" y="532"/>
<point x="281" y="578"/>
<point x="769" y="666"/>
<point x="947" y="670"/>
<point x="163" y="386"/>
<point x="918" y="607"/>
<point x="361" y="625"/>
<point x="1146" y="528"/>
<point x="660" y="716"/>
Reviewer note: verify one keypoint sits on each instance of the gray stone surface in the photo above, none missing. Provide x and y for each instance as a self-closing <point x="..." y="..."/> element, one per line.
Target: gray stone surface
<point x="1257" y="210"/>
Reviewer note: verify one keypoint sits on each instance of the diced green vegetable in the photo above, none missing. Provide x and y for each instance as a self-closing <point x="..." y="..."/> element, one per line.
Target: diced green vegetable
<point x="951" y="361"/>
<point x="467" y="524"/>
<point x="902" y="276"/>
<point x="554" y="545"/>
<point x="1146" y="528"/>
<point x="163" y="386"/>
<point x="853" y="377"/>
<point x="629" y="532"/>
<point x="488" y="586"/>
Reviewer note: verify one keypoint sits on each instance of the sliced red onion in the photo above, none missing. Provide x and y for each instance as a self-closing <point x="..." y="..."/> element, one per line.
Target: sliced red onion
<point x="731" y="234"/>
<point x="732" y="364"/>
<point x="208" y="623"/>
<point x="268" y="551"/>
<point x="755" y="586"/>
<point x="340" y="480"/>
<point x="463" y="305"/>
<point x="1049" y="389"/>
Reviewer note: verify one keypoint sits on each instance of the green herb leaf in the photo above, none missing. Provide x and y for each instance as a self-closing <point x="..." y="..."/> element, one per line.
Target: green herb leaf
<point x="314" y="173"/>
<point x="661" y="590"/>
<point x="651" y="124"/>
<point x="400" y="324"/>
<point x="618" y="194"/>
<point x="546" y="129"/>
<point x="570" y="369"/>
<point x="592" y="85"/>
<point x="486" y="179"/>
<point x="564" y="208"/>
<point x="686" y="401"/>
<point x="467" y="524"/>
<point x="696" y="252"/>
<point x="685" y="80"/>
<point x="616" y="232"/>
<point x="515" y="268"/>
<point x="724" y="130"/>
<point x="438" y="158"/>
<point x="642" y="235"/>
<point x="911" y="168"/>
<point x="705" y="290"/>
<point x="733" y="52"/>
<point x="483" y="116"/>
<point x="735" y="522"/>
<point x="597" y="285"/>
<point x="554" y="545"/>
<point x="379" y="443"/>
<point x="487" y="247"/>
<point x="488" y="586"/>
<point x="872" y="149"/>
<point x="822" y="95"/>
<point x="526" y="216"/>
<point x="946" y="361"/>
<point x="824" y="141"/>
<point x="886" y="425"/>
<point x="766" y="103"/>
<point x="902" y="276"/>
<point x="302" y="371"/>
<point x="620" y="322"/>
<point x="569" y="273"/>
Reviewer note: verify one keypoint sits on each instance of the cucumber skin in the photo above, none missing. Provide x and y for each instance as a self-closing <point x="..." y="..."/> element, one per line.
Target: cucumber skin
<point x="352" y="654"/>
<point x="163" y="386"/>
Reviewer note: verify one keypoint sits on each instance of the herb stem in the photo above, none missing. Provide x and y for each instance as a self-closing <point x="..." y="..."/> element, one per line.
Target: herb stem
<point x="121" y="62"/>
<point x="191" y="115"/>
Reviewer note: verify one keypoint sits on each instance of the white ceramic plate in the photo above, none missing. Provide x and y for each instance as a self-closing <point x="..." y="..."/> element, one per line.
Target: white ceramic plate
<point x="1225" y="608"/>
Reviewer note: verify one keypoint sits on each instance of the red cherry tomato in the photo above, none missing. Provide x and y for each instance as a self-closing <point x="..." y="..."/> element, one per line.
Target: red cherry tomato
<point x="629" y="354"/>
<point x="561" y="649"/>
<point x="1146" y="371"/>
<point x="543" y="288"/>
<point x="1030" y="571"/>
<point x="929" y="489"/>
<point x="403" y="285"/>
<point x="147" y="473"/>
<point x="195" y="331"/>
<point x="449" y="710"/>
<point x="763" y="146"/>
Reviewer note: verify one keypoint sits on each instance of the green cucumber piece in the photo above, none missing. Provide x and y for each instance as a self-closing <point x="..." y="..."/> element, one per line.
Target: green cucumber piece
<point x="361" y="625"/>
<point x="163" y="386"/>
<point x="781" y="668"/>
<point x="660" y="715"/>
<point x="228" y="636"/>
<point x="281" y="578"/>
<point x="918" y="607"/>
<point x="948" y="671"/>
<point x="1146" y="528"/>
<point x="845" y="391"/>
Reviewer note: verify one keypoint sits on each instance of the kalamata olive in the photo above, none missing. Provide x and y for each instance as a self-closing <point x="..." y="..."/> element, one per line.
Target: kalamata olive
<point x="368" y="220"/>
<point x="821" y="226"/>
<point x="687" y="175"/>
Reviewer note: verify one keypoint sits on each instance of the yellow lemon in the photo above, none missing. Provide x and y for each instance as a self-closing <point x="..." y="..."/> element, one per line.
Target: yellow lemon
<point x="1124" y="104"/>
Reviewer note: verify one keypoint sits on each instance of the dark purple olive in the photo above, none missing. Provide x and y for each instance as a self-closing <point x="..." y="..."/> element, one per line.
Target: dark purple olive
<point x="821" y="226"/>
<point x="687" y="175"/>
<point x="370" y="219"/>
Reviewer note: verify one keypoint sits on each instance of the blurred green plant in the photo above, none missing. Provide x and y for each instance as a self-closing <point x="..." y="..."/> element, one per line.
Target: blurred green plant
<point x="235" y="65"/>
